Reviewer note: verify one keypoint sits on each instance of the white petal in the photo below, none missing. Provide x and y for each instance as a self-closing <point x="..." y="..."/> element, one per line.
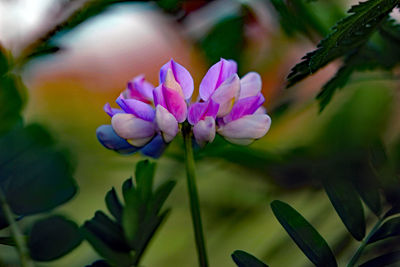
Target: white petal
<point x="139" y="142"/>
<point x="130" y="127"/>
<point x="204" y="131"/>
<point x="166" y="123"/>
<point x="226" y="94"/>
<point x="250" y="85"/>
<point x="248" y="127"/>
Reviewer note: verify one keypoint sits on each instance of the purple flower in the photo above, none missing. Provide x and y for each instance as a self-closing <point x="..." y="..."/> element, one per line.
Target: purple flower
<point x="202" y="116"/>
<point x="247" y="120"/>
<point x="171" y="97"/>
<point x="132" y="126"/>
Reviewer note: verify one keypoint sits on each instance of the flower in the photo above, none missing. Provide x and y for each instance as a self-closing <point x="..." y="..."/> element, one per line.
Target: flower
<point x="149" y="117"/>
<point x="133" y="126"/>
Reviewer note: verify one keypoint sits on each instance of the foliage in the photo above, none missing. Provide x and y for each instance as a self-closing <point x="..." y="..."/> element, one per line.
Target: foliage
<point x="122" y="240"/>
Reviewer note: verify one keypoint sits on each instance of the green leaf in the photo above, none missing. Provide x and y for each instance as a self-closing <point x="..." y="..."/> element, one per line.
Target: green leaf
<point x="383" y="260"/>
<point x="7" y="240"/>
<point x="244" y="259"/>
<point x="127" y="186"/>
<point x="53" y="237"/>
<point x="348" y="34"/>
<point x="304" y="235"/>
<point x="114" y="204"/>
<point x="160" y="195"/>
<point x="347" y="204"/>
<point x="144" y="176"/>
<point x="390" y="228"/>
<point x="105" y="250"/>
<point x="44" y="182"/>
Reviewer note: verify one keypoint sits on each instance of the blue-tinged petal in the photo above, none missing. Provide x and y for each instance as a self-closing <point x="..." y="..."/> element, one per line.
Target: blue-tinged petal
<point x="155" y="147"/>
<point x="109" y="139"/>
<point x="137" y="108"/>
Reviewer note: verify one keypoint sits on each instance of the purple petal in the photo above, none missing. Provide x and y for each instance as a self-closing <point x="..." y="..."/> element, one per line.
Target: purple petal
<point x="155" y="147"/>
<point x="250" y="85"/>
<point x="226" y="94"/>
<point x="141" y="88"/>
<point x="109" y="139"/>
<point x="137" y="108"/>
<point x="137" y="131"/>
<point x="166" y="123"/>
<point x="181" y="75"/>
<point x="204" y="131"/>
<point x="111" y="111"/>
<point x="176" y="105"/>
<point x="244" y="130"/>
<point x="215" y="76"/>
<point x="244" y="106"/>
<point x="198" y="111"/>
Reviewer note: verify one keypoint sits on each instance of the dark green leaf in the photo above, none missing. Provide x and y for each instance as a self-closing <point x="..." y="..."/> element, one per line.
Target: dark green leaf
<point x="144" y="176"/>
<point x="4" y="66"/>
<point x="127" y="186"/>
<point x="114" y="205"/>
<point x="108" y="231"/>
<point x="304" y="235"/>
<point x="7" y="240"/>
<point x="349" y="33"/>
<point x="347" y="204"/>
<point x="390" y="228"/>
<point x="105" y="250"/>
<point x="161" y="195"/>
<point x="44" y="182"/>
<point x="383" y="260"/>
<point x="394" y="210"/>
<point x="52" y="238"/>
<point x="244" y="259"/>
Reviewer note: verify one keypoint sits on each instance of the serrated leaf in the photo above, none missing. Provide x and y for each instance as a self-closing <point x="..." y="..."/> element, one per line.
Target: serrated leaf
<point x="383" y="260"/>
<point x="244" y="259"/>
<point x="347" y="204"/>
<point x="304" y="234"/>
<point x="390" y="228"/>
<point x="52" y="238"/>
<point x="348" y="34"/>
<point x="114" y="204"/>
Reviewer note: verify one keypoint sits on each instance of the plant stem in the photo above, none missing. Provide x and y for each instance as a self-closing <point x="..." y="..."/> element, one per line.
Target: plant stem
<point x="18" y="237"/>
<point x="363" y="244"/>
<point x="193" y="196"/>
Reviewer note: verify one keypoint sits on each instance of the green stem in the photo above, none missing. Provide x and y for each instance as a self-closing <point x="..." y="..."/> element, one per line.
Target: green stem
<point x="363" y="244"/>
<point x="18" y="237"/>
<point x="193" y="196"/>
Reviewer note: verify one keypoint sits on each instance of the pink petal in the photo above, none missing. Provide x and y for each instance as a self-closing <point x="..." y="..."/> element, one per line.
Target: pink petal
<point x="204" y="131"/>
<point x="166" y="123"/>
<point x="250" y="85"/>
<point x="175" y="103"/>
<point x="182" y="76"/>
<point x="215" y="76"/>
<point x="226" y="94"/>
<point x="244" y="106"/>
<point x="245" y="129"/>
<point x="137" y="131"/>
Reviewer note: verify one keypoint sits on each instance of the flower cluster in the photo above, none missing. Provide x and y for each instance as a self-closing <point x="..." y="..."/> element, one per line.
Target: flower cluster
<point x="149" y="117"/>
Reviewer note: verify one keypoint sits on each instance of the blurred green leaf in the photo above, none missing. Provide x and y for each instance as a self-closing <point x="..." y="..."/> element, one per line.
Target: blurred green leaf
<point x="44" y="182"/>
<point x="390" y="228"/>
<point x="347" y="204"/>
<point x="350" y="33"/>
<point x="225" y="40"/>
<point x="244" y="259"/>
<point x="53" y="237"/>
<point x="114" y="204"/>
<point x="144" y="176"/>
<point x="7" y="240"/>
<point x="383" y="260"/>
<point x="304" y="235"/>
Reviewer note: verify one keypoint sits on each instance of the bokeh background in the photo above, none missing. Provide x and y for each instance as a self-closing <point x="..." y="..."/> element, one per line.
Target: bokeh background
<point x="67" y="90"/>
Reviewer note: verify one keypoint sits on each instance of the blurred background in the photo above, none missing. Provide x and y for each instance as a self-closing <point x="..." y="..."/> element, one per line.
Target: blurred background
<point x="91" y="62"/>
